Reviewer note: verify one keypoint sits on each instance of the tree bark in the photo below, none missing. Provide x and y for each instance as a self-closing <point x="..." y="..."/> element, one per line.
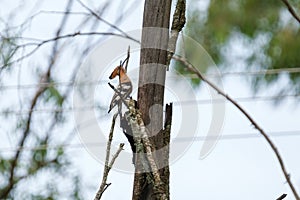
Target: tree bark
<point x="153" y="61"/>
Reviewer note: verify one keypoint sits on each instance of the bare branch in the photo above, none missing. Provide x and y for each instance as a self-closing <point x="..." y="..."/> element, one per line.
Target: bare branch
<point x="106" y="22"/>
<point x="193" y="69"/>
<point x="116" y="155"/>
<point x="32" y="17"/>
<point x="79" y="59"/>
<point x="177" y="25"/>
<point x="40" y="91"/>
<point x="33" y="46"/>
<point x="291" y="9"/>
<point x="15" y="159"/>
<point x="105" y="185"/>
<point x="38" y="45"/>
<point x="281" y="197"/>
<point x="110" y="137"/>
<point x="108" y="165"/>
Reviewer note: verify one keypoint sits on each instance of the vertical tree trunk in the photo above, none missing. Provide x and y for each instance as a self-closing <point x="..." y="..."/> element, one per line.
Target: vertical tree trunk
<point x="152" y="73"/>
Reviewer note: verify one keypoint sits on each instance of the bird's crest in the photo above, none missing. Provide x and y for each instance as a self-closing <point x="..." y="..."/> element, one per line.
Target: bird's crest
<point x="118" y="70"/>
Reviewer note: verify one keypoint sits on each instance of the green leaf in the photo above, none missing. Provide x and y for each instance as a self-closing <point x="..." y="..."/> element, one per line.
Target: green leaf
<point x="53" y="94"/>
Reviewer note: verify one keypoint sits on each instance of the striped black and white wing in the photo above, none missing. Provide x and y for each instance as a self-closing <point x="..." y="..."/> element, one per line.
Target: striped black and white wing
<point x="125" y="90"/>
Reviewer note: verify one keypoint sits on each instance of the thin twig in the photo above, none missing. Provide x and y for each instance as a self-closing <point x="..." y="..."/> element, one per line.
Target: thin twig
<point x="45" y="78"/>
<point x="193" y="69"/>
<point x="74" y="73"/>
<point x="127" y="59"/>
<point x="291" y="9"/>
<point x="108" y="165"/>
<point x="106" y="22"/>
<point x="38" y="45"/>
<point x="116" y="155"/>
<point x="105" y="185"/>
<point x="26" y="132"/>
<point x="108" y="148"/>
<point x="281" y="197"/>
<point x="15" y="159"/>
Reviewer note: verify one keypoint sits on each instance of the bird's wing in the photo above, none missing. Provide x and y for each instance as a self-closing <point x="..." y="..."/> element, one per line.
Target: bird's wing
<point x="125" y="90"/>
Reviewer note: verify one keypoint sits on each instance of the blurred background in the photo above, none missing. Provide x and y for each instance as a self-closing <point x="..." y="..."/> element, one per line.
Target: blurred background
<point x="254" y="46"/>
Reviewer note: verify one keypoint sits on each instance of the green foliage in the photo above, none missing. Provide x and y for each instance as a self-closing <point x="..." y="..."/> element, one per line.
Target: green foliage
<point x="53" y="94"/>
<point x="181" y="70"/>
<point x="214" y="29"/>
<point x="77" y="189"/>
<point x="285" y="54"/>
<point x="8" y="49"/>
<point x="39" y="162"/>
<point x="4" y="165"/>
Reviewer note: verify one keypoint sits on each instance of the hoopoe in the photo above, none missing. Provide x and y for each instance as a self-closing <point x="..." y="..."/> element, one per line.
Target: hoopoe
<point x="124" y="87"/>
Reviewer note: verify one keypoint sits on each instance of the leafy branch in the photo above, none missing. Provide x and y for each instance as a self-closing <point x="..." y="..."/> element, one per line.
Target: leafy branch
<point x="13" y="179"/>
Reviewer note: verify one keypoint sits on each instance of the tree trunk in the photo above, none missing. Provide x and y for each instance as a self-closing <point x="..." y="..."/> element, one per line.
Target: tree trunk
<point x="152" y="74"/>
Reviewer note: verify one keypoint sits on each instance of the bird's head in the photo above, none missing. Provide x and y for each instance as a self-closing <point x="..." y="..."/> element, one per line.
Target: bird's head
<point x="119" y="70"/>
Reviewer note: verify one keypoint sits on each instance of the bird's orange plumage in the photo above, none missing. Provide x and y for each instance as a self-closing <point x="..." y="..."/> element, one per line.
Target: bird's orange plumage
<point x="124" y="87"/>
